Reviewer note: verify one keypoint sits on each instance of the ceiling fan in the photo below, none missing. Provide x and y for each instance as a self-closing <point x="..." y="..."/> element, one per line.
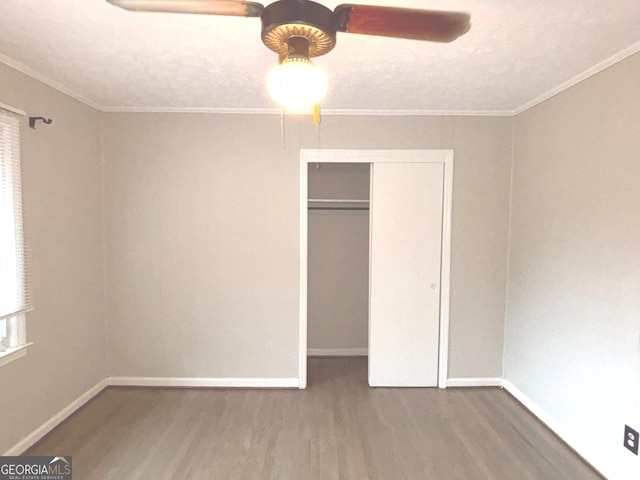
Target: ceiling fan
<point x="300" y="29"/>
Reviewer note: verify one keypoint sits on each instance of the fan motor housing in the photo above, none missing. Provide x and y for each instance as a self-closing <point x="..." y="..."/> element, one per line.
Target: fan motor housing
<point x="285" y="19"/>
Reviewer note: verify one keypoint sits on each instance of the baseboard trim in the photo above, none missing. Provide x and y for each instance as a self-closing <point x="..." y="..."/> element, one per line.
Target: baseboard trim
<point x="590" y="457"/>
<point x="27" y="442"/>
<point x="337" y="352"/>
<point x="474" y="382"/>
<point x="187" y="382"/>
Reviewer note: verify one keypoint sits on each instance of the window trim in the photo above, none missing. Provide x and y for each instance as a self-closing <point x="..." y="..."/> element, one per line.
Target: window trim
<point x="14" y="110"/>
<point x="19" y="349"/>
<point x="13" y="353"/>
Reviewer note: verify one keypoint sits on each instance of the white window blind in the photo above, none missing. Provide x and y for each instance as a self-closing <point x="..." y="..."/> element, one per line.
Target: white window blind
<point x="15" y="298"/>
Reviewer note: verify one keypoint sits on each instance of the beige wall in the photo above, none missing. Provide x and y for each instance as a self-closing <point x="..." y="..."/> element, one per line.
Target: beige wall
<point x="573" y="320"/>
<point x="201" y="219"/>
<point x="63" y="209"/>
<point x="202" y="237"/>
<point x="338" y="261"/>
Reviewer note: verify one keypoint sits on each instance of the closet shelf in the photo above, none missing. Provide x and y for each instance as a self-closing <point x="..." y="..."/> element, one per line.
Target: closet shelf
<point x="337" y="204"/>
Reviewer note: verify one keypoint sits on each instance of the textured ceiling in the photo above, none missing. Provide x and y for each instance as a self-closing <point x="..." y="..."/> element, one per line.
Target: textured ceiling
<point x="515" y="53"/>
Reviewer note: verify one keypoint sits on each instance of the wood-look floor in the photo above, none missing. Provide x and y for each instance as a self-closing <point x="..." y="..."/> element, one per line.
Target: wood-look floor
<point x="336" y="429"/>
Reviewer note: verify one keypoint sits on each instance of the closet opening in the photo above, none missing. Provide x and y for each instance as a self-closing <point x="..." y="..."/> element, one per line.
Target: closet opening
<point x="375" y="248"/>
<point x="338" y="263"/>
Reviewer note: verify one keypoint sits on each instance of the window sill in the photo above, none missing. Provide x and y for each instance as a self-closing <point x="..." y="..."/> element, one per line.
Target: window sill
<point x="11" y="354"/>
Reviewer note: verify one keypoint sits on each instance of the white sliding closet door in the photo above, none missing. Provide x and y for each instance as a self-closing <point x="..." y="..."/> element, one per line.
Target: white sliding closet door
<point x="405" y="256"/>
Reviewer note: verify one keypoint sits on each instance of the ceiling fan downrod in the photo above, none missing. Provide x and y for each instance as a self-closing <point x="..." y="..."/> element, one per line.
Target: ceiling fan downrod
<point x="286" y="22"/>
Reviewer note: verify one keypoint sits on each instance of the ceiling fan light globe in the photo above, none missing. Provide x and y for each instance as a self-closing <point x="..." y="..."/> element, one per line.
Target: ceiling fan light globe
<point x="297" y="84"/>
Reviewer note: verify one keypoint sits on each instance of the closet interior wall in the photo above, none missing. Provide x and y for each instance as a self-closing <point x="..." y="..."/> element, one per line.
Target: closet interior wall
<point x="338" y="261"/>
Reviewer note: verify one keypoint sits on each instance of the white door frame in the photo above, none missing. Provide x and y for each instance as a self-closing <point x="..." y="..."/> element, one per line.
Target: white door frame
<point x="444" y="157"/>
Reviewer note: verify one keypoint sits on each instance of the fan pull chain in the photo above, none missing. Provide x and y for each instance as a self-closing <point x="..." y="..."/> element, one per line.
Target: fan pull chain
<point x="283" y="129"/>
<point x="282" y="138"/>
<point x="316" y="121"/>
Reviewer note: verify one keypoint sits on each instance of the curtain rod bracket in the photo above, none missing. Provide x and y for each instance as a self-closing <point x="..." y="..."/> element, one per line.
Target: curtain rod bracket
<point x="33" y="120"/>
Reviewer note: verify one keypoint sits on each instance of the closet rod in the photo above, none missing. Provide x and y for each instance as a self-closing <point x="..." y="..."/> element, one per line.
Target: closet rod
<point x="338" y="208"/>
<point x="336" y="200"/>
<point x="337" y="204"/>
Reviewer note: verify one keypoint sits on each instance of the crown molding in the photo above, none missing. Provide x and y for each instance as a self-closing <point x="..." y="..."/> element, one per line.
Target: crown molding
<point x="419" y="113"/>
<point x="326" y="112"/>
<point x="30" y="72"/>
<point x="599" y="67"/>
<point x="612" y="60"/>
<point x="218" y="110"/>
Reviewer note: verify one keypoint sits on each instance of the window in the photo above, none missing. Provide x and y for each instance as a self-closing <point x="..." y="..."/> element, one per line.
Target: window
<point x="15" y="299"/>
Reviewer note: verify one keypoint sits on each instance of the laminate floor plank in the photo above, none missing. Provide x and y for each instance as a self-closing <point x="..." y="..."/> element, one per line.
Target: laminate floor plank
<point x="336" y="429"/>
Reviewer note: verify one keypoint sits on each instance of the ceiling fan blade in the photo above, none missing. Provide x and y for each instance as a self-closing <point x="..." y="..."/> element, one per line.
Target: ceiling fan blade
<point x="407" y="23"/>
<point x="231" y="8"/>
